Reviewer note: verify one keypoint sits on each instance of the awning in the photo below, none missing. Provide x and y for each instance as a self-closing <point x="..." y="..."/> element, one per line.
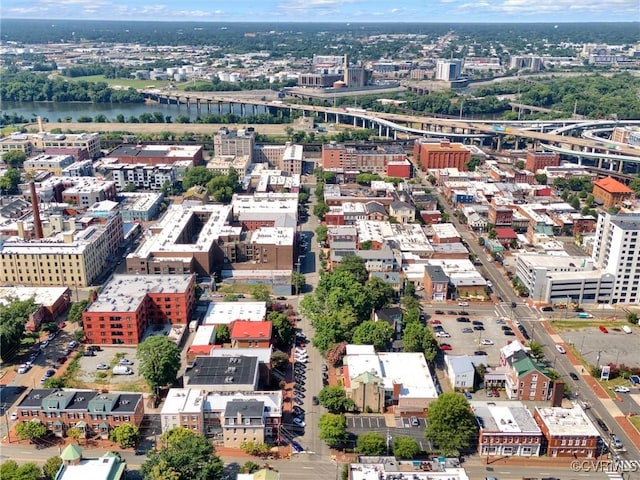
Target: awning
<point x="103" y="425"/>
<point x="81" y="425"/>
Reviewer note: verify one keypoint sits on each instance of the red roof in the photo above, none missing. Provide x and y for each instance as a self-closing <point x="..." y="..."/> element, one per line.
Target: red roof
<point x="245" y="329"/>
<point x="506" y="232"/>
<point x="611" y="185"/>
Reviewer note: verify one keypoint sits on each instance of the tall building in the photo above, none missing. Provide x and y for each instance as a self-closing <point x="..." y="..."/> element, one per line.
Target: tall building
<point x="234" y="142"/>
<point x="540" y="160"/>
<point x="448" y="70"/>
<point x="616" y="250"/>
<point x="429" y="154"/>
<point x="341" y="158"/>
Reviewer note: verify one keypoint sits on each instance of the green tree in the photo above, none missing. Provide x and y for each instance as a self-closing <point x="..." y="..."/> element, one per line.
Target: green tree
<point x="334" y="399"/>
<point x="412" y="337"/>
<point x="283" y="329"/>
<point x="635" y="186"/>
<point x="541" y="178"/>
<point x="54" y="382"/>
<point x="632" y="317"/>
<point x="223" y="335"/>
<point x="14" y="158"/>
<point x="184" y="453"/>
<point x="378" y="334"/>
<point x="199" y="175"/>
<point x="405" y="447"/>
<point x="125" y="435"/>
<point x="30" y="430"/>
<point x="254" y="448"/>
<point x="14" y="315"/>
<point x="371" y="443"/>
<point x="75" y="312"/>
<point x="298" y="281"/>
<point x="410" y="289"/>
<point x="249" y="467"/>
<point x="260" y="292"/>
<point x="279" y="360"/>
<point x="355" y="266"/>
<point x="321" y="234"/>
<point x="74" y="433"/>
<point x="333" y="429"/>
<point x="10" y="470"/>
<point x="320" y="209"/>
<point x="451" y="423"/>
<point x="379" y="293"/>
<point x="51" y="467"/>
<point x="159" y="361"/>
<point x="536" y="350"/>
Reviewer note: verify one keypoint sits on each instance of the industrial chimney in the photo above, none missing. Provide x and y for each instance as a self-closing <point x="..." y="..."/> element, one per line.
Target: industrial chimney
<point x="345" y="76"/>
<point x="37" y="223"/>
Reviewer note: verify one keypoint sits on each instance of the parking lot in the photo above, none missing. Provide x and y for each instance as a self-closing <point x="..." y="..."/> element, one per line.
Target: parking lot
<point x="612" y="347"/>
<point x="109" y="356"/>
<point x="401" y="427"/>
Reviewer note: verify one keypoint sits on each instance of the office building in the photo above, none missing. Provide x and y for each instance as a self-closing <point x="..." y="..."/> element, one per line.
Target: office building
<point x="540" y="160"/>
<point x="48" y="163"/>
<point x="616" y="251"/>
<point x="429" y="154"/>
<point x="81" y="146"/>
<point x="129" y="304"/>
<point x="611" y="192"/>
<point x="238" y="143"/>
<point x="568" y="432"/>
<point x="145" y="177"/>
<point x="157" y="154"/>
<point x="448" y="70"/>
<point x="340" y="158"/>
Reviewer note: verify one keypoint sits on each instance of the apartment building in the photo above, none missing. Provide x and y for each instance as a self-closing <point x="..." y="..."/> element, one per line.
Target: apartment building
<point x="616" y="251"/>
<point x="239" y="142"/>
<point x="48" y="163"/>
<point x="157" y="154"/>
<point x="428" y="154"/>
<point x="95" y="414"/>
<point x="81" y="146"/>
<point x="129" y="304"/>
<point x="540" y="160"/>
<point x="341" y="158"/>
<point x="146" y="177"/>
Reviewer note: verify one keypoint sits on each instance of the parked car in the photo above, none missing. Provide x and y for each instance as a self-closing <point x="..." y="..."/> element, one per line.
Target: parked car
<point x="44" y="344"/>
<point x="298" y="422"/>
<point x="467" y="330"/>
<point x="298" y="410"/>
<point x="486" y="341"/>
<point x="298" y="401"/>
<point x="122" y="370"/>
<point x="603" y="329"/>
<point x="560" y="349"/>
<point x="480" y="352"/>
<point x="505" y="327"/>
<point x="445" y="347"/>
<point x="88" y="353"/>
<point x="477" y="322"/>
<point x="622" y="389"/>
<point x="95" y="348"/>
<point x="462" y="319"/>
<point x="452" y="312"/>
<point x="463" y="313"/>
<point x="436" y="322"/>
<point x="415" y="422"/>
<point x="439" y="312"/>
<point x="125" y="361"/>
<point x="314" y="401"/>
<point x="617" y="443"/>
<point x="467" y="395"/>
<point x="73" y="344"/>
<point x="325" y="368"/>
<point x="14" y="416"/>
<point x="574" y="376"/>
<point x="602" y="425"/>
<point x="509" y="333"/>
<point x="51" y="336"/>
<point x="442" y="335"/>
<point x="478" y="328"/>
<point x="281" y="298"/>
<point x="547" y="309"/>
<point x="24" y="368"/>
<point x="463" y="304"/>
<point x="102" y="366"/>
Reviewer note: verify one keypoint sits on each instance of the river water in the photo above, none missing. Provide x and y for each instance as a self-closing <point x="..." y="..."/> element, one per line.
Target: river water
<point x="66" y="111"/>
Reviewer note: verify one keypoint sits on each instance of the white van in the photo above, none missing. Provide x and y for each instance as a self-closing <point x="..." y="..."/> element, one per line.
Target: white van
<point x="122" y="370"/>
<point x="626" y="329"/>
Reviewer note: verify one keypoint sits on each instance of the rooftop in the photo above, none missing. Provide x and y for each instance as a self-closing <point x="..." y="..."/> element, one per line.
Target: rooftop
<point x="611" y="185"/>
<point x="227" y="312"/>
<point x="238" y="370"/>
<point x="183" y="400"/>
<point x="43" y="295"/>
<point x="567" y="421"/>
<point x="243" y="329"/>
<point x="504" y="417"/>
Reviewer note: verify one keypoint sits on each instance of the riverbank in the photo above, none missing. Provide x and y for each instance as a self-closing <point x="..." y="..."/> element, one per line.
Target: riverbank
<point x="134" y="128"/>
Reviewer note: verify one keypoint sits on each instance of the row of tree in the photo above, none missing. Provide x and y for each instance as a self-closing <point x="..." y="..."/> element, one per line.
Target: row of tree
<point x="220" y="187"/>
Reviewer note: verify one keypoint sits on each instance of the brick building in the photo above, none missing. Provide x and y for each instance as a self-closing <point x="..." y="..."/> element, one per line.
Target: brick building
<point x="158" y="154"/>
<point x="436" y="283"/>
<point x="568" y="432"/>
<point x="539" y="160"/>
<point x="246" y="334"/>
<point x="94" y="413"/>
<point x="129" y="304"/>
<point x="361" y="158"/>
<point x="500" y="216"/>
<point x="611" y="192"/>
<point x="428" y="154"/>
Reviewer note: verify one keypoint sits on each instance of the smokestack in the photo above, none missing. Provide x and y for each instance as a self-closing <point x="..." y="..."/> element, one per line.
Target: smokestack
<point x="345" y="77"/>
<point x="40" y="126"/>
<point x="37" y="223"/>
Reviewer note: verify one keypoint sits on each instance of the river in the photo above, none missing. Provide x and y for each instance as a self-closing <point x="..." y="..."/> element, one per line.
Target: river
<point x="67" y="111"/>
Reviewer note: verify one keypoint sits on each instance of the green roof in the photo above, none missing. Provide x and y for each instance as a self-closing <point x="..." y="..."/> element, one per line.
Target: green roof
<point x="72" y="452"/>
<point x="365" y="378"/>
<point x="526" y="365"/>
<point x="266" y="474"/>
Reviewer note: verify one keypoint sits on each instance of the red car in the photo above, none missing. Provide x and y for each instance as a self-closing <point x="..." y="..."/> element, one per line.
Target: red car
<point x="603" y="329"/>
<point x="445" y="347"/>
<point x="436" y="322"/>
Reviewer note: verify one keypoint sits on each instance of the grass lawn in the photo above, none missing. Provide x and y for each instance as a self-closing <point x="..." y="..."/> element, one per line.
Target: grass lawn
<point x="123" y="82"/>
<point x="565" y="325"/>
<point x="635" y="421"/>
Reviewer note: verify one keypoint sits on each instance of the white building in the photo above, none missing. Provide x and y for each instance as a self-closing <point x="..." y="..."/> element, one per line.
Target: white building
<point x="448" y="70"/>
<point x="224" y="313"/>
<point x="147" y="177"/>
<point x="617" y="251"/>
<point x="390" y="468"/>
<point x="461" y="369"/>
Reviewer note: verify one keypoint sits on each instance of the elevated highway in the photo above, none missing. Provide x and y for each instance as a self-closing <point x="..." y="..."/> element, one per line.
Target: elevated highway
<point x="552" y="135"/>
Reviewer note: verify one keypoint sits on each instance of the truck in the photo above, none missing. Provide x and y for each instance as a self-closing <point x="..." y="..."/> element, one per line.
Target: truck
<point x="122" y="370"/>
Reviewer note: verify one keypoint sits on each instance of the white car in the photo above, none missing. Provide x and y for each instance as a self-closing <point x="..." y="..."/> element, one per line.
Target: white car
<point x="622" y="389"/>
<point x="463" y="304"/>
<point x="24" y="368"/>
<point x="442" y="335"/>
<point x="560" y="349"/>
<point x="486" y="341"/>
<point x="14" y="416"/>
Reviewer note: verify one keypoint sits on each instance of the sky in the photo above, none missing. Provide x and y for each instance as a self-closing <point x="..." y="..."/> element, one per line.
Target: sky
<point x="447" y="11"/>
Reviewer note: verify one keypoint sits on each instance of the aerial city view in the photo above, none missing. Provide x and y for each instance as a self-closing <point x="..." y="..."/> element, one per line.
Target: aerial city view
<point x="319" y="240"/>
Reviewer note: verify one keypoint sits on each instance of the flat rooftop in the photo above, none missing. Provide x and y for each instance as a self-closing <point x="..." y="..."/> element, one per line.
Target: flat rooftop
<point x="237" y="370"/>
<point x="183" y="400"/>
<point x="567" y="421"/>
<point x="125" y="292"/>
<point x="95" y="468"/>
<point x="227" y="312"/>
<point x="505" y="417"/>
<point x="43" y="295"/>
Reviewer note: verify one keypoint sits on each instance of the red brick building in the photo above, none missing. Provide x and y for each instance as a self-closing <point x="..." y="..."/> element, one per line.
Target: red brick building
<point x="568" y="432"/>
<point x="95" y="414"/>
<point x="361" y="158"/>
<point x="158" y="154"/>
<point x="440" y="155"/>
<point x="500" y="216"/>
<point x="539" y="160"/>
<point x="611" y="192"/>
<point x="401" y="169"/>
<point x="129" y="304"/>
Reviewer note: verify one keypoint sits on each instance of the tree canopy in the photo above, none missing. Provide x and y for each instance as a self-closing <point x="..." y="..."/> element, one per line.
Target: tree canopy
<point x="125" y="435"/>
<point x="334" y="399"/>
<point x="282" y="328"/>
<point x="159" y="361"/>
<point x="451" y="423"/>
<point x="333" y="429"/>
<point x="30" y="430"/>
<point x="10" y="470"/>
<point x="371" y="443"/>
<point x="405" y="447"/>
<point x="184" y="455"/>
<point x="14" y="317"/>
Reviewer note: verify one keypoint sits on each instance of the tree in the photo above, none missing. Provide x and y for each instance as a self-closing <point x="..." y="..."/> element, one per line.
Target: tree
<point x="223" y="335"/>
<point x="334" y="399"/>
<point x="413" y="336"/>
<point x="354" y="265"/>
<point x="451" y="423"/>
<point x="75" y="312"/>
<point x="336" y="352"/>
<point x="371" y="443"/>
<point x="279" y="360"/>
<point x="184" y="453"/>
<point x="632" y="317"/>
<point x="321" y="234"/>
<point x="260" y="292"/>
<point x="405" y="447"/>
<point x="51" y="467"/>
<point x="14" y="315"/>
<point x="410" y="289"/>
<point x="54" y="382"/>
<point x="125" y="435"/>
<point x="74" y="433"/>
<point x="197" y="176"/>
<point x="283" y="329"/>
<point x="10" y="470"/>
<point x="541" y="178"/>
<point x="536" y="350"/>
<point x="378" y="334"/>
<point x="333" y="429"/>
<point x="379" y="292"/>
<point x="31" y="430"/>
<point x="320" y="209"/>
<point x="9" y="181"/>
<point x="298" y="281"/>
<point x="254" y="448"/>
<point x="159" y="361"/>
<point x="249" y="467"/>
<point x="14" y="158"/>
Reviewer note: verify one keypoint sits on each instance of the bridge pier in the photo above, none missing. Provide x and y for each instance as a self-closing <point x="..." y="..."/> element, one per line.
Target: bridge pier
<point x="219" y="107"/>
